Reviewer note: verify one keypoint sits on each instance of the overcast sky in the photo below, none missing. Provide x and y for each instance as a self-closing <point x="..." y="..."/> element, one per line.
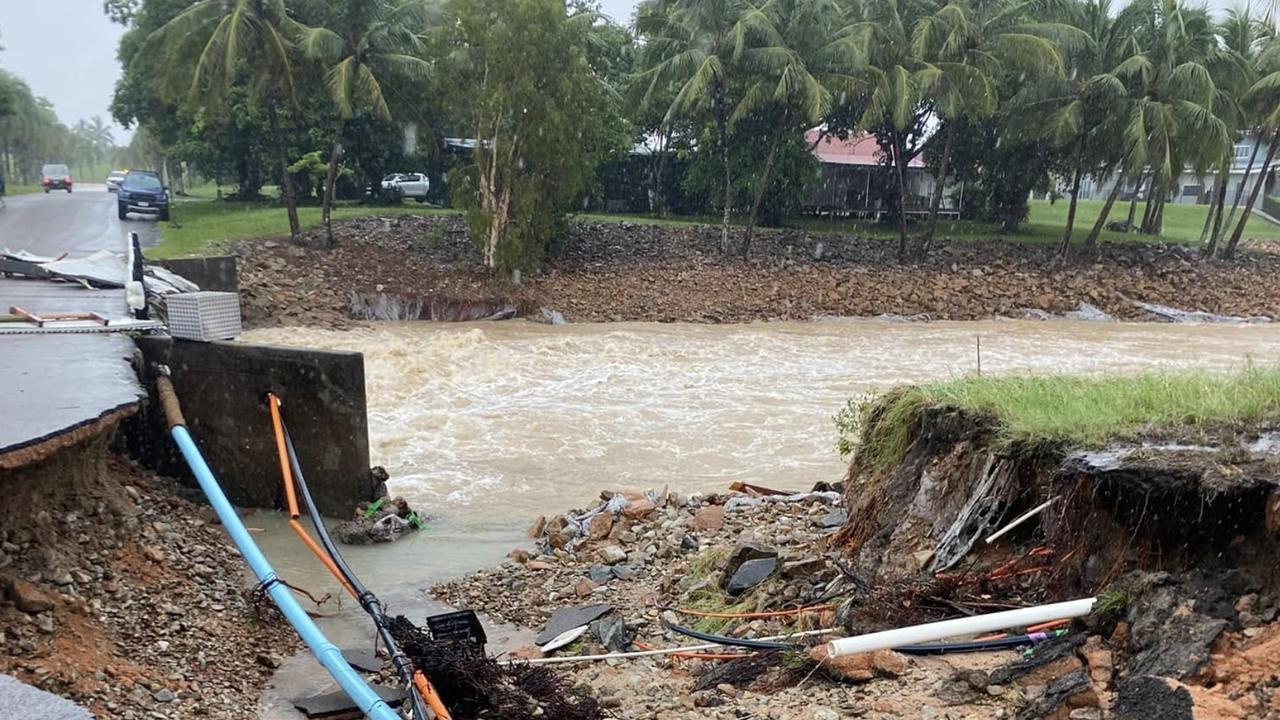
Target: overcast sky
<point x="66" y="51"/>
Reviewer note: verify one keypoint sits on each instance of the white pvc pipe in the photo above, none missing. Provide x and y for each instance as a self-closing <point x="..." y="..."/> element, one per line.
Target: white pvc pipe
<point x="960" y="627"/>
<point x="661" y="651"/>
<point x="1021" y="519"/>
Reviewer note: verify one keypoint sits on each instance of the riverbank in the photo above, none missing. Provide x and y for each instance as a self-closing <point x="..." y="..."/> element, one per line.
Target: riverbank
<point x="125" y="598"/>
<point x="424" y="267"/>
<point x="1171" y="526"/>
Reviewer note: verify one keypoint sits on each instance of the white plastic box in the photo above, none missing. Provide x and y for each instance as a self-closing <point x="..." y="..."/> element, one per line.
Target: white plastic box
<point x="204" y="315"/>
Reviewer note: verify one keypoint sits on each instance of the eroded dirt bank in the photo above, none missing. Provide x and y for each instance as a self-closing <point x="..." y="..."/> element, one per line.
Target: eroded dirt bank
<point x="123" y="597"/>
<point x="1175" y="533"/>
<point x="622" y="271"/>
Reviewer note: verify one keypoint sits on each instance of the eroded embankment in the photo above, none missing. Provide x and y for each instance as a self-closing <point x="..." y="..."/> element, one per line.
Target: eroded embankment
<point x="424" y="267"/>
<point x="1175" y="529"/>
<point x="123" y="597"/>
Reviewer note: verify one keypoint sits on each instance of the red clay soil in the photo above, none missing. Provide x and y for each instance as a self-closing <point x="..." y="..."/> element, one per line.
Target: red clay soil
<point x="623" y="271"/>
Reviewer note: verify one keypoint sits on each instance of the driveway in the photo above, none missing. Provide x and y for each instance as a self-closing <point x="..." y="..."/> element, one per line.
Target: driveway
<point x="78" y="223"/>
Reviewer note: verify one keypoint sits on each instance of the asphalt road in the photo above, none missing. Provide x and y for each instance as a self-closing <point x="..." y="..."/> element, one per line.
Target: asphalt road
<point x="79" y="223"/>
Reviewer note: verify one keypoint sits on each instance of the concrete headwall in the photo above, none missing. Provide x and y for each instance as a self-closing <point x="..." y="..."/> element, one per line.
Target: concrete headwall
<point x="210" y="273"/>
<point x="222" y="386"/>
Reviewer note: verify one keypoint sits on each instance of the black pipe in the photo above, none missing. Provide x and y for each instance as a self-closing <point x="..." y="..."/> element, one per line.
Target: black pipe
<point x="735" y="642"/>
<point x="368" y="600"/>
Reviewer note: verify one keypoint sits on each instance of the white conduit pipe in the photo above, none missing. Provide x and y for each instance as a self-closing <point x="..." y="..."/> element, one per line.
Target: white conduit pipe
<point x="1020" y="519"/>
<point x="661" y="651"/>
<point x="960" y="627"/>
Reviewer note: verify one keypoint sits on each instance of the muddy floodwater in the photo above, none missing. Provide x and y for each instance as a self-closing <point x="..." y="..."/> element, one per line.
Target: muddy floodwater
<point x="485" y="426"/>
<point x="486" y="421"/>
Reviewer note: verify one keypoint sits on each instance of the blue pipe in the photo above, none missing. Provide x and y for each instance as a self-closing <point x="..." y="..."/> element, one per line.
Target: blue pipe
<point x="325" y="652"/>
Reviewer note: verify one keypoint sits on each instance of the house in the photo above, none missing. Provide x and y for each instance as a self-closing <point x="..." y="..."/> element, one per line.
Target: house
<point x="1191" y="189"/>
<point x="852" y="181"/>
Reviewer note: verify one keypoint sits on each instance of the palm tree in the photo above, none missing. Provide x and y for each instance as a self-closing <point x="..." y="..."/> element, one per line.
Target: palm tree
<point x="805" y="62"/>
<point x="233" y="41"/>
<point x="970" y="46"/>
<point x="1235" y="72"/>
<point x="1090" y="102"/>
<point x="1173" y="123"/>
<point x="897" y="82"/>
<point x="368" y="49"/>
<point x="698" y="44"/>
<point x="1264" y="97"/>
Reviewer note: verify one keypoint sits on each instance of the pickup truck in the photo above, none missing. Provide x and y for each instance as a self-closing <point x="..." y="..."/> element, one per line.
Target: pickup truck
<point x="411" y="185"/>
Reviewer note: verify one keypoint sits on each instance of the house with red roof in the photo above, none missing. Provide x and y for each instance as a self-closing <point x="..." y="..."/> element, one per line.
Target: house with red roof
<point x="853" y="179"/>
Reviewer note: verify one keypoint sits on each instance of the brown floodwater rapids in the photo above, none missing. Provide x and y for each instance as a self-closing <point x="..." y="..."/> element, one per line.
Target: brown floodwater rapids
<point x="491" y="420"/>
<point x="486" y="425"/>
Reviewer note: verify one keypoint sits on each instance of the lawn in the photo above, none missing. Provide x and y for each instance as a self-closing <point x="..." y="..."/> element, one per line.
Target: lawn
<point x="202" y="222"/>
<point x="1087" y="410"/>
<point x="200" y="225"/>
<point x="22" y="189"/>
<point x="1182" y="225"/>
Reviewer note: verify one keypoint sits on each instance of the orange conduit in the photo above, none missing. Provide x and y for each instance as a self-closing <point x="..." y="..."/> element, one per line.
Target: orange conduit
<point x="694" y="655"/>
<point x="757" y="615"/>
<point x="1048" y="625"/>
<point x="428" y="693"/>
<point x="291" y="498"/>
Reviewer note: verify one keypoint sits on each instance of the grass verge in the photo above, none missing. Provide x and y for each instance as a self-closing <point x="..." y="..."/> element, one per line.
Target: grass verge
<point x="202" y="222"/>
<point x="1074" y="409"/>
<point x="201" y="225"/>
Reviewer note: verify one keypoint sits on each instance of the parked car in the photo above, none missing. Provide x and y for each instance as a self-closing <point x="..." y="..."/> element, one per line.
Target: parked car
<point x="114" y="178"/>
<point x="55" y="176"/>
<point x="142" y="192"/>
<point x="410" y="185"/>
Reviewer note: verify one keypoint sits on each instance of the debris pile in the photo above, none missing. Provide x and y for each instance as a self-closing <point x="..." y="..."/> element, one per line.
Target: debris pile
<point x="383" y="520"/>
<point x="114" y="593"/>
<point x="1174" y="536"/>
<point x="424" y="266"/>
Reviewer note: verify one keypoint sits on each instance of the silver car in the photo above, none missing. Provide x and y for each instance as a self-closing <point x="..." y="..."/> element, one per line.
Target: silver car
<point x="114" y="178"/>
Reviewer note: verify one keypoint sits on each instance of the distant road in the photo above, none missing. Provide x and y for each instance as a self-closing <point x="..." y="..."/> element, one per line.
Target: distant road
<point x="79" y="223"/>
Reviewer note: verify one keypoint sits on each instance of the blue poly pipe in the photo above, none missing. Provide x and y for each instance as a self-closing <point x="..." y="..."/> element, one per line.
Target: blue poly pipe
<point x="325" y="652"/>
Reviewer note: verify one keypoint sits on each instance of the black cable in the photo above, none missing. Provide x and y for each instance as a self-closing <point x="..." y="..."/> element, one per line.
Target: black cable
<point x="734" y="642"/>
<point x="368" y="600"/>
<point x="971" y="645"/>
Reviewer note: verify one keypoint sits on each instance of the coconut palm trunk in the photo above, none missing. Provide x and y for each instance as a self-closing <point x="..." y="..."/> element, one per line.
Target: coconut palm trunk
<point x="1230" y="250"/>
<point x="1216" y="232"/>
<point x="1133" y="203"/>
<point x="1065" y="249"/>
<point x="939" y="180"/>
<point x="1235" y="202"/>
<point x="286" y="182"/>
<point x="1091" y="241"/>
<point x="898" y="164"/>
<point x="721" y="111"/>
<point x="764" y="183"/>
<point x="1213" y="201"/>
<point x="330" y="181"/>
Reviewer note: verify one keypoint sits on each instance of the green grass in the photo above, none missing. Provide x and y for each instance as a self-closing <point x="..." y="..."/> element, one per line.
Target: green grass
<point x="1074" y="409"/>
<point x="1047" y="220"/>
<point x="22" y="189"/>
<point x="202" y="222"/>
<point x="200" y="225"/>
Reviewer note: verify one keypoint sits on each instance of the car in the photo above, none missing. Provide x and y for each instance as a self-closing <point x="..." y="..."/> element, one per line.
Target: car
<point x="410" y="185"/>
<point x="141" y="191"/>
<point x="55" y="176"/>
<point x="114" y="178"/>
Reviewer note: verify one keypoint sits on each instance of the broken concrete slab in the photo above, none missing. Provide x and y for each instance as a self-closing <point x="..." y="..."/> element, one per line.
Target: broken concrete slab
<point x="566" y="619"/>
<point x="750" y="574"/>
<point x="744" y="552"/>
<point x="336" y="704"/>
<point x="19" y="701"/>
<point x="362" y="659"/>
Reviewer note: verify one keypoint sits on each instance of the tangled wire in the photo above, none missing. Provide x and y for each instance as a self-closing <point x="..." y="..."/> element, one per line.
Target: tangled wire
<point x="474" y="685"/>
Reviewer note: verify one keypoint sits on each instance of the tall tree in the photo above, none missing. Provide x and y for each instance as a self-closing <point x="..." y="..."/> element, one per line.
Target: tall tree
<point x="698" y="44"/>
<point x="518" y="73"/>
<point x="970" y="46"/>
<point x="226" y="43"/>
<point x="371" y="51"/>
